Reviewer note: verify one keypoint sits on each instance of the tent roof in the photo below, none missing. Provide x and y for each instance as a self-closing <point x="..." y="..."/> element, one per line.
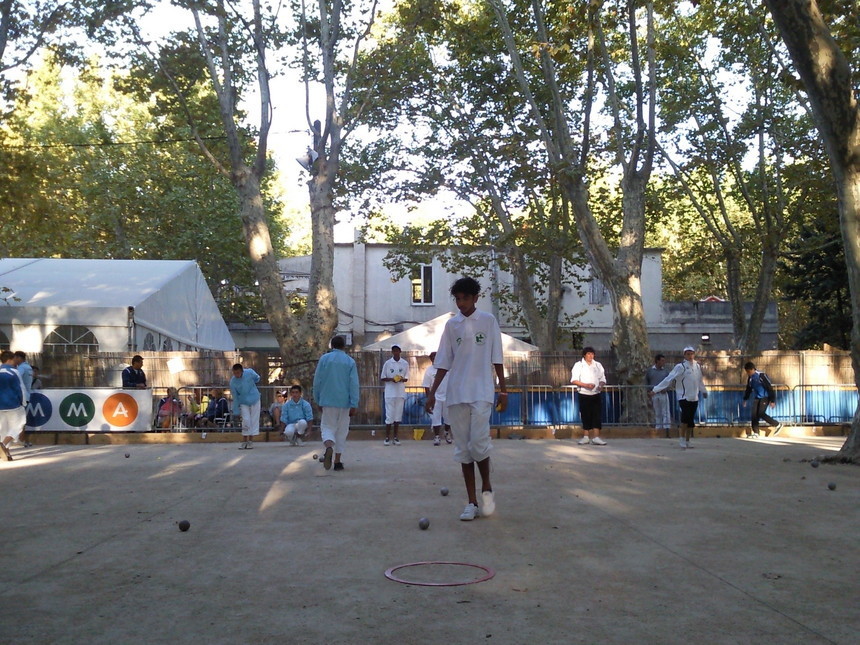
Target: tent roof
<point x="169" y="296"/>
<point x="425" y="338"/>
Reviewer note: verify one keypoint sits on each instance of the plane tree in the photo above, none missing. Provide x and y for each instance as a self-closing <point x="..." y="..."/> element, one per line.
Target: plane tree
<point x="826" y="74"/>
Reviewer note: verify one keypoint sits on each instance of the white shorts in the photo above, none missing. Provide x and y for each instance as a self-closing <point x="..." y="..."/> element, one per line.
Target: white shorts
<point x="299" y="426"/>
<point x="250" y="419"/>
<point x="470" y="426"/>
<point x="334" y="426"/>
<point x="440" y="414"/>
<point x="394" y="409"/>
<point x="12" y="422"/>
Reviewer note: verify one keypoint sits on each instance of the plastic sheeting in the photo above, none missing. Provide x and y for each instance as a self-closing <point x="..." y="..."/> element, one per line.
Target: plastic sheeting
<point x="425" y="338"/>
<point x="169" y="297"/>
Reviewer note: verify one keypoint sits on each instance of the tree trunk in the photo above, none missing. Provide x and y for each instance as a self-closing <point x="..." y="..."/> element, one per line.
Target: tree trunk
<point x="322" y="312"/>
<point x="266" y="270"/>
<point x="543" y="327"/>
<point x="621" y="277"/>
<point x="848" y="189"/>
<point x="750" y="341"/>
<point x="826" y="74"/>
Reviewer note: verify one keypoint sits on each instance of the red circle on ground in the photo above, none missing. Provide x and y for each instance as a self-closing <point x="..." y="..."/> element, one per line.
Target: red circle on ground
<point x="488" y="573"/>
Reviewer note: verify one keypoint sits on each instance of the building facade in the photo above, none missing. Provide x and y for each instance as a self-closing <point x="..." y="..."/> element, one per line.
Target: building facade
<point x="373" y="304"/>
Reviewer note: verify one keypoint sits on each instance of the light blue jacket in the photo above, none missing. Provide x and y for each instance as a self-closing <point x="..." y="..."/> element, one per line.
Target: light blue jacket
<point x="292" y="411"/>
<point x="26" y="373"/>
<point x="244" y="389"/>
<point x="336" y="381"/>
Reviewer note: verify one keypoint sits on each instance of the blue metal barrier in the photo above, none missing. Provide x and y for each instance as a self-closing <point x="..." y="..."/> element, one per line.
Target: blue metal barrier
<point x="545" y="405"/>
<point x="826" y="403"/>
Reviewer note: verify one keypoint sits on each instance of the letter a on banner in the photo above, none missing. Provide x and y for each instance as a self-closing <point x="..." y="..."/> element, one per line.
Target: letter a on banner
<point x="120" y="410"/>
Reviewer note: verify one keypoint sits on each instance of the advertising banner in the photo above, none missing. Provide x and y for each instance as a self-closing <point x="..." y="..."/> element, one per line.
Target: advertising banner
<point x="90" y="410"/>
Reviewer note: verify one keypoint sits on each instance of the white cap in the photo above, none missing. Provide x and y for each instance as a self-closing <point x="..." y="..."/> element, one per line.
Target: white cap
<point x="688" y="348"/>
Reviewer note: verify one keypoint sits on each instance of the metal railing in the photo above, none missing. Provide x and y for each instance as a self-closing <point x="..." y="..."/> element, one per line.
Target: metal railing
<point x="550" y="406"/>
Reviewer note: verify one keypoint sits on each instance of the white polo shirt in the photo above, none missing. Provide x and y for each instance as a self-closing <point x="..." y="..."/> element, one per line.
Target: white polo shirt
<point x="586" y="373"/>
<point x="429" y="375"/>
<point x="469" y="348"/>
<point x="390" y="369"/>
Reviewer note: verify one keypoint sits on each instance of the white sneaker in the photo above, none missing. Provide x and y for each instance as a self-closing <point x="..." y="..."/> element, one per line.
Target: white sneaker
<point x="387" y="442"/>
<point x="488" y="503"/>
<point x="682" y="442"/>
<point x="437" y="441"/>
<point x="299" y="442"/>
<point x="469" y="513"/>
<point x="597" y="441"/>
<point x="396" y="441"/>
<point x="584" y="441"/>
<point x="689" y="445"/>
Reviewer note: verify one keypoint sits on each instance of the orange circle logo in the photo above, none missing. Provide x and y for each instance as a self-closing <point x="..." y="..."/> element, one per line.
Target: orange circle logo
<point x="120" y="409"/>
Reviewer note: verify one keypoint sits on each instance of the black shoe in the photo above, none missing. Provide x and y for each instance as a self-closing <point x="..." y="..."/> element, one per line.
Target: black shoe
<point x="338" y="466"/>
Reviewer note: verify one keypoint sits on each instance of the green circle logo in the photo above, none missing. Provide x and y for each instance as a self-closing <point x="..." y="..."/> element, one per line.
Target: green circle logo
<point x="77" y="410"/>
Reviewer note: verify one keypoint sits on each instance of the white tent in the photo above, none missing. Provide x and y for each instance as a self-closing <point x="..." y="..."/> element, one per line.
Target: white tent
<point x="125" y="305"/>
<point x="425" y="338"/>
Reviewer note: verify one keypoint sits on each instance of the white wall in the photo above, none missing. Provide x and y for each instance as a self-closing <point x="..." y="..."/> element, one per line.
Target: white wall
<point x="373" y="306"/>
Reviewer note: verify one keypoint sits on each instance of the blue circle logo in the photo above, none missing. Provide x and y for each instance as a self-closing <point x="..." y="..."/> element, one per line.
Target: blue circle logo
<point x="39" y="410"/>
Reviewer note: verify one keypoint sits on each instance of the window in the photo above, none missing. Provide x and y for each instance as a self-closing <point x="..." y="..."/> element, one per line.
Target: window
<point x="422" y="285"/>
<point x="4" y="340"/>
<point x="597" y="292"/>
<point x="149" y="342"/>
<point x="166" y="345"/>
<point x="71" y="339"/>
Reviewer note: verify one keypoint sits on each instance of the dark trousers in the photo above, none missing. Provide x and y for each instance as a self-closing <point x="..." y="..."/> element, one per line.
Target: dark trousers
<point x="759" y="411"/>
<point x="688" y="412"/>
<point x="589" y="410"/>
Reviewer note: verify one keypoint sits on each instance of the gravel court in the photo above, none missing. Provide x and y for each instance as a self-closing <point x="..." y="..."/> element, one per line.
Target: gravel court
<point x="637" y="541"/>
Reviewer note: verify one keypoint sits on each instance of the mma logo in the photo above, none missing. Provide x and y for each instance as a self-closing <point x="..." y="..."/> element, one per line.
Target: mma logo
<point x="77" y="410"/>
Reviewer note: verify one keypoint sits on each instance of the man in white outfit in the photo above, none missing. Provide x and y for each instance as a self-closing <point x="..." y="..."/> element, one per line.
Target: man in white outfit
<point x="689" y="383"/>
<point x="440" y="411"/>
<point x="662" y="414"/>
<point x="395" y="373"/>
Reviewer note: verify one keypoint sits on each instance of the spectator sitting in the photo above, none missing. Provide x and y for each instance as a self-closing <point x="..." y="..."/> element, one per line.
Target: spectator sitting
<point x="275" y="413"/>
<point x="169" y="409"/>
<point x="217" y="408"/>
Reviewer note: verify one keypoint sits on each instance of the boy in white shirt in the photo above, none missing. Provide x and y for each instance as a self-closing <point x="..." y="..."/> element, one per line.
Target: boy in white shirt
<point x="440" y="414"/>
<point x="469" y="351"/>
<point x="395" y="373"/>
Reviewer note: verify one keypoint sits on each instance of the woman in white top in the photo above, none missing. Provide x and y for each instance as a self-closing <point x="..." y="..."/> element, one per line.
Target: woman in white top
<point x="589" y="378"/>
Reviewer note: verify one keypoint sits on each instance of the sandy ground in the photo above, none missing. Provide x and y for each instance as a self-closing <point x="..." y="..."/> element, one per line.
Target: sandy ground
<point x="736" y="541"/>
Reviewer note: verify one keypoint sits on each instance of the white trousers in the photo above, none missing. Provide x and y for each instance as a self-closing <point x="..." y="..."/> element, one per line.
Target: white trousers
<point x="662" y="413"/>
<point x="299" y="426"/>
<point x="394" y="409"/>
<point x="334" y="426"/>
<point x="12" y="422"/>
<point x="440" y="413"/>
<point x="250" y="419"/>
<point x="470" y="426"/>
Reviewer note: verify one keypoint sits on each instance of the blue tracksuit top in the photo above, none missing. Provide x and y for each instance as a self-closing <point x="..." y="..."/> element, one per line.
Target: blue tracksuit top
<point x="336" y="381"/>
<point x="11" y="388"/>
<point x="244" y="389"/>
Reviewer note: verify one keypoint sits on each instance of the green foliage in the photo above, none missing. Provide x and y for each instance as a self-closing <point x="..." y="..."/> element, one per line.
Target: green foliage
<point x="94" y="169"/>
<point x="817" y="287"/>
